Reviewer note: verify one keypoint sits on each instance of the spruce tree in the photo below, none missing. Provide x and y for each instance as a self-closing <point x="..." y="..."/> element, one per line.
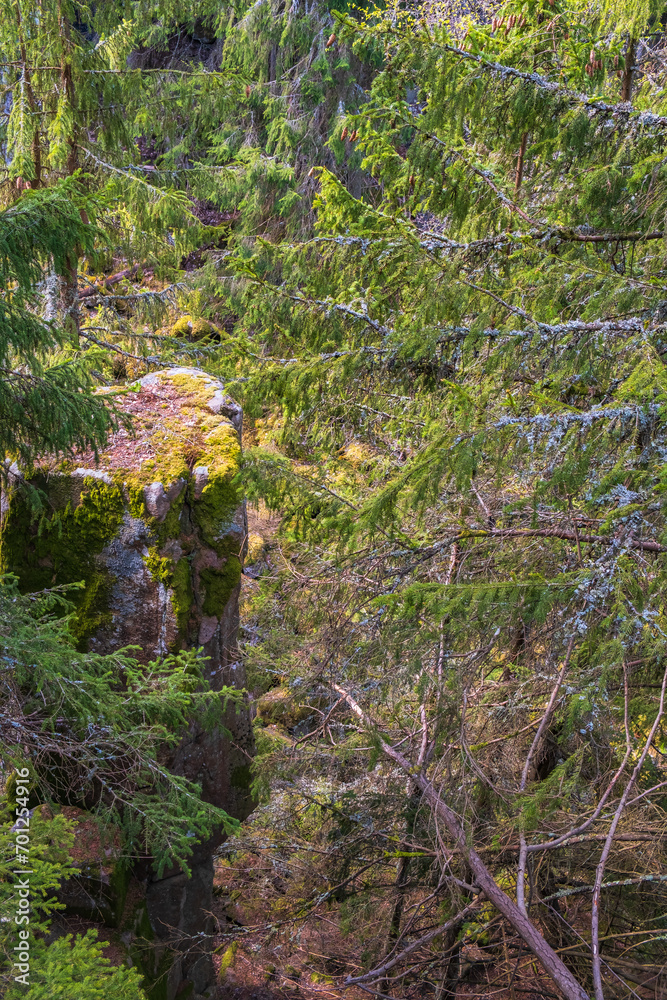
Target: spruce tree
<point x="46" y="398"/>
<point x="464" y="375"/>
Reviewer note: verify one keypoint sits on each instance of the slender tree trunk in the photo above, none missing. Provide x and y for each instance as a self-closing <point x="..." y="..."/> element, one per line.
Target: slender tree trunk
<point x="626" y="86"/>
<point x="519" y="163"/>
<point x="69" y="299"/>
<point x="69" y="284"/>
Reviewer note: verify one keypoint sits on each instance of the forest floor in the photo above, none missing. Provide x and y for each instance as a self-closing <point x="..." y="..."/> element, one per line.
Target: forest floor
<point x="308" y="958"/>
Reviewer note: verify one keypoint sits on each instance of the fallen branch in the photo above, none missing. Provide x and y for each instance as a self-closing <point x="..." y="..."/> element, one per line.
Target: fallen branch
<point x="552" y="964"/>
<point x="419" y="943"/>
<point x="112" y="280"/>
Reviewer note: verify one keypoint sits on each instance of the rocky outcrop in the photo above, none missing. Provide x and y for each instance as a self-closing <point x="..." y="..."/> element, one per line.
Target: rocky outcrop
<point x="155" y="528"/>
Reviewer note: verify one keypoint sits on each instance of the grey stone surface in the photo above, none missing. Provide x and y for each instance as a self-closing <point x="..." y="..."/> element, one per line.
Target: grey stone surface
<point x="145" y="608"/>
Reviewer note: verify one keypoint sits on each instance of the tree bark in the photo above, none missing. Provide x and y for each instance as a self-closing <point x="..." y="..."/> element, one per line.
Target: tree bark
<point x="68" y="299"/>
<point x="626" y="86"/>
<point x="520" y="163"/>
<point x="69" y="283"/>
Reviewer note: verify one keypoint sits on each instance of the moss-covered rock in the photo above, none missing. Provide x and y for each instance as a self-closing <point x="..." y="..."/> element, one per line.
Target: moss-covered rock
<point x="58" y="541"/>
<point x="278" y="706"/>
<point x="153" y="530"/>
<point x="193" y="328"/>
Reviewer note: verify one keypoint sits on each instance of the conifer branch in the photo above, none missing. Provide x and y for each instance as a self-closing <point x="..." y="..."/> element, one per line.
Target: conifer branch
<point x="621" y="113"/>
<point x="562" y="533"/>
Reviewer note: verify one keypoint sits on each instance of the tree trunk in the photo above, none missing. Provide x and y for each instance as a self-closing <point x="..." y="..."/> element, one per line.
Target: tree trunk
<point x="69" y="279"/>
<point x="520" y="163"/>
<point x="626" y="87"/>
<point x="68" y="299"/>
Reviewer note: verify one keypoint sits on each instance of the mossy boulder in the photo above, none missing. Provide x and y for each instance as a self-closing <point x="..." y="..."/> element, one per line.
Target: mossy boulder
<point x="155" y="531"/>
<point x="193" y="328"/>
<point x="277" y="706"/>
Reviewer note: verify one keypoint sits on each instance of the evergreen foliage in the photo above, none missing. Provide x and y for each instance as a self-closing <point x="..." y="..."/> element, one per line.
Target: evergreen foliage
<point x="464" y="371"/>
<point x="436" y="279"/>
<point x="68" y="967"/>
<point x="46" y="399"/>
<point x="94" y="729"/>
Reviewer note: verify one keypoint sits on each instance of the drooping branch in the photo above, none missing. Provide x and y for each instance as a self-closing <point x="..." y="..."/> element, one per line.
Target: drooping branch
<point x="563" y="533"/>
<point x="621" y="113"/>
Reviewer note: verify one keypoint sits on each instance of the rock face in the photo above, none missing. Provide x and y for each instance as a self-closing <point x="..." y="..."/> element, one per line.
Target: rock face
<point x="156" y="529"/>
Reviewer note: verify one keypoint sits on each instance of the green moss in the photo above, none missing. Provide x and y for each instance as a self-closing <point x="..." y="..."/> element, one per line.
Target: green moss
<point x="207" y="439"/>
<point x="171" y="462"/>
<point x="171" y="526"/>
<point x="119" y="882"/>
<point x="189" y="328"/>
<point x="219" y="585"/>
<point x="156" y="978"/>
<point x="137" y="502"/>
<point x="60" y="545"/>
<point x="92" y="607"/>
<point x="182" y="595"/>
<point x="139" y="923"/>
<point x="241" y="777"/>
<point x="228" y="957"/>
<point x="161" y="568"/>
<point x="177" y="577"/>
<point x="222" y="451"/>
<point x="214" y="511"/>
<point x="8" y="800"/>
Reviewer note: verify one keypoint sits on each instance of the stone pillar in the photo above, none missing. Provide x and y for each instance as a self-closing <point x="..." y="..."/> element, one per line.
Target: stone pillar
<point x="156" y="529"/>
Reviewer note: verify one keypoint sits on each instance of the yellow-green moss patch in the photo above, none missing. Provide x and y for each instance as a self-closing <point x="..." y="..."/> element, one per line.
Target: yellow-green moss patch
<point x="219" y="585"/>
<point x="59" y="546"/>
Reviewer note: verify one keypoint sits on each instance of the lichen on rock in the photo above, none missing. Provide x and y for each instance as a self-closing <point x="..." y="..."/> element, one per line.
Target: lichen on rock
<point x="154" y="530"/>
